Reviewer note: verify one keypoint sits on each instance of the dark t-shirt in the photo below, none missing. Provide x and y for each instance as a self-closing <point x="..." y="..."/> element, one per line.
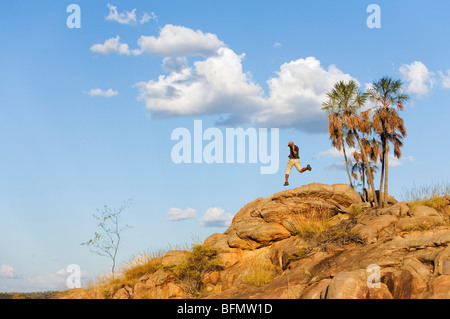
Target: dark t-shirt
<point x="292" y="155"/>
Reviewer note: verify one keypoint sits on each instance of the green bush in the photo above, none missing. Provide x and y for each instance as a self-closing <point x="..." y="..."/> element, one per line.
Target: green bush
<point x="201" y="260"/>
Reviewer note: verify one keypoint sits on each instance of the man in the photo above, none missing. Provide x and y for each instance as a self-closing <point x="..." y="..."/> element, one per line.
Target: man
<point x="294" y="160"/>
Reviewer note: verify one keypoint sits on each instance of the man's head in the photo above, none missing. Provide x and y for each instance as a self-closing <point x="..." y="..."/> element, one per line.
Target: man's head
<point x="291" y="144"/>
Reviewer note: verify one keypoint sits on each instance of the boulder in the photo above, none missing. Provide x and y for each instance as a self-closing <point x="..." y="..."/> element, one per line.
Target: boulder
<point x="174" y="257"/>
<point x="348" y="285"/>
<point x="369" y="226"/>
<point x="380" y="293"/>
<point x="412" y="281"/>
<point x="440" y="287"/>
<point x="317" y="291"/>
<point x="390" y="199"/>
<point x="277" y="217"/>
<point x="442" y="262"/>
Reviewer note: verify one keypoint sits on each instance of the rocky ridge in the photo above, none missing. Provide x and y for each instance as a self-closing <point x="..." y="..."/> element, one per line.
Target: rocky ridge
<point x="398" y="252"/>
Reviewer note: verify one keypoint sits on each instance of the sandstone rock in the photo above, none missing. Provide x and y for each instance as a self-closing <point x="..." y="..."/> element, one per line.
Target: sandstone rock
<point x="260" y="231"/>
<point x="229" y="256"/>
<point x="159" y="285"/>
<point x="212" y="278"/>
<point x="282" y="251"/>
<point x="440" y="287"/>
<point x="420" y="217"/>
<point x="123" y="293"/>
<point x="413" y="263"/>
<point x="412" y="282"/>
<point x="380" y="293"/>
<point x="442" y="262"/>
<point x="348" y="285"/>
<point x="174" y="257"/>
<point x="392" y="210"/>
<point x="419" y="223"/>
<point x="390" y="199"/>
<point x="369" y="226"/>
<point x="423" y="211"/>
<point x="266" y="220"/>
<point x="317" y="291"/>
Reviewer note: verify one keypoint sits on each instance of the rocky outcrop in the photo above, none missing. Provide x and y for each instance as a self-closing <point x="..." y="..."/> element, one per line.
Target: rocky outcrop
<point x="397" y="252"/>
<point x="267" y="220"/>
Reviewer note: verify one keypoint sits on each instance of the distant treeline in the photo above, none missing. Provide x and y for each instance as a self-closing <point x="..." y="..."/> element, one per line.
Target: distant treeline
<point x="29" y="295"/>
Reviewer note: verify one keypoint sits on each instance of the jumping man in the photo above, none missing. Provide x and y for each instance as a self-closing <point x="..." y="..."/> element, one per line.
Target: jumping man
<point x="294" y="160"/>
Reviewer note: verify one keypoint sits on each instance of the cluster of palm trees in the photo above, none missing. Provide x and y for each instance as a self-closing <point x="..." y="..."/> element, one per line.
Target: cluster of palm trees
<point x="370" y="118"/>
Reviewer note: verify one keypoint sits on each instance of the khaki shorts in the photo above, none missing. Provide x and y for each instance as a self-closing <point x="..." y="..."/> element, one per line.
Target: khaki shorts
<point x="293" y="162"/>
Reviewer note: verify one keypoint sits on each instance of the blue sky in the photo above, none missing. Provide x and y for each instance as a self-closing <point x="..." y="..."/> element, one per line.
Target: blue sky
<point x="88" y="113"/>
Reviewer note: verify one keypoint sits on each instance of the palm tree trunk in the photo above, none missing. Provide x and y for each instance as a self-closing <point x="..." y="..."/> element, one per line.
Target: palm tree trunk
<point x="383" y="155"/>
<point x="346" y="164"/>
<point x="364" y="185"/>
<point x="386" y="175"/>
<point x="369" y="177"/>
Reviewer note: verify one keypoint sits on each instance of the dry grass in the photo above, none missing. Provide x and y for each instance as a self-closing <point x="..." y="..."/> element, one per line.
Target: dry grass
<point x="310" y="230"/>
<point x="435" y="202"/>
<point x="420" y="193"/>
<point x="261" y="272"/>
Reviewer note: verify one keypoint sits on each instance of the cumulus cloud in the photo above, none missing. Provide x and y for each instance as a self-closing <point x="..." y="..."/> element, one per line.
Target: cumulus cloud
<point x="113" y="45"/>
<point x="175" y="214"/>
<point x="213" y="86"/>
<point x="445" y="79"/>
<point x="99" y="92"/>
<point x="420" y="80"/>
<point x="128" y="17"/>
<point x="180" y="41"/>
<point x="7" y="271"/>
<point x="218" y="85"/>
<point x="216" y="217"/>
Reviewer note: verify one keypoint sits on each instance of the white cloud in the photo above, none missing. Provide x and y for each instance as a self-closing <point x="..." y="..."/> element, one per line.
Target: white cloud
<point x="147" y="17"/>
<point x="333" y="152"/>
<point x="218" y="85"/>
<point x="213" y="86"/>
<point x="339" y="166"/>
<point x="99" y="92"/>
<point x="296" y="95"/>
<point x="445" y="79"/>
<point x="175" y="64"/>
<point x="7" y="271"/>
<point x="113" y="45"/>
<point x="180" y="41"/>
<point x="175" y="214"/>
<point x="128" y="17"/>
<point x="216" y="217"/>
<point x="53" y="281"/>
<point x="277" y="45"/>
<point x="396" y="162"/>
<point x="420" y="79"/>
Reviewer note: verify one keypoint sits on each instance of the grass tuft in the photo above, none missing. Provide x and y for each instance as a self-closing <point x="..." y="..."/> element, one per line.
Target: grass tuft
<point x="260" y="273"/>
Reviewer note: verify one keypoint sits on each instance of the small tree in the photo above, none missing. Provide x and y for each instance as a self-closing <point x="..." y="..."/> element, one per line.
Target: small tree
<point x="106" y="242"/>
<point x="201" y="260"/>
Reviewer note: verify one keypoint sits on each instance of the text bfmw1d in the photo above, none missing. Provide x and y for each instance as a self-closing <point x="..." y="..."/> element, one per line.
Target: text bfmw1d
<point x="213" y="152"/>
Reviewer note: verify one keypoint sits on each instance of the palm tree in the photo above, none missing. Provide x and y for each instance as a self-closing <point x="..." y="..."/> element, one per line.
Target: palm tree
<point x="360" y="167"/>
<point x="337" y="132"/>
<point x="387" y="94"/>
<point x="345" y="99"/>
